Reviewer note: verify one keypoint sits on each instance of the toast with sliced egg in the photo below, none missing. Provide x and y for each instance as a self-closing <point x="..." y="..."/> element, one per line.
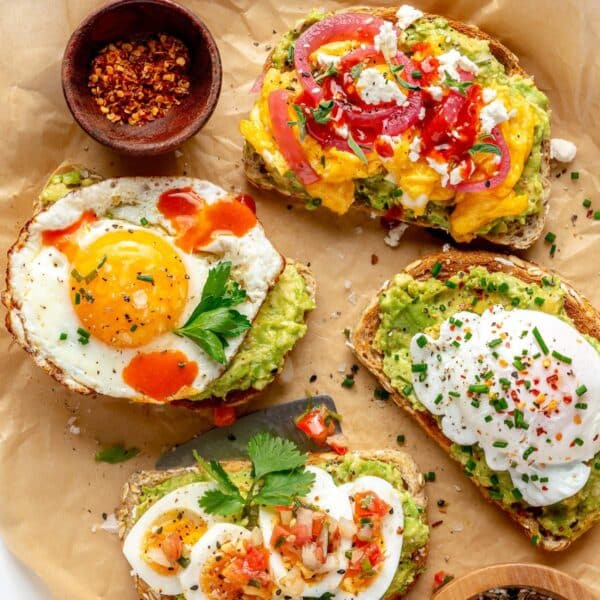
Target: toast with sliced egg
<point x="497" y="360"/>
<point x="157" y="290"/>
<point x="409" y="116"/>
<point x="404" y="530"/>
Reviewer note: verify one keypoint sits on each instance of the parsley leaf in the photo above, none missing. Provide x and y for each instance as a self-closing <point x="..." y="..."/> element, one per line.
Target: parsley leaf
<point x="459" y="86"/>
<point x="329" y="72"/>
<point x="270" y="454"/>
<point x="490" y="148"/>
<point x="216" y="502"/>
<point x="396" y="69"/>
<point x="116" y="454"/>
<point x="280" y="488"/>
<point x="301" y="122"/>
<point x="213" y="320"/>
<point x="321" y="113"/>
<point x="356" y="149"/>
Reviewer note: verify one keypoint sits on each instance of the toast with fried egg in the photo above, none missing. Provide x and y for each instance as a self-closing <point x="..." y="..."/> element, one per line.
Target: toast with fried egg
<point x="144" y="489"/>
<point x="269" y="330"/>
<point x="417" y="305"/>
<point x="414" y="174"/>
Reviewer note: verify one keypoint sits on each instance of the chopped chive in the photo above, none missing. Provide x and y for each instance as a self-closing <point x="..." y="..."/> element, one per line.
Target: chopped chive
<point x="83" y="333"/>
<point x="454" y="394"/>
<point x="458" y="323"/>
<point x="553" y="250"/>
<point x="544" y="480"/>
<point x="562" y="357"/>
<point x="400" y="439"/>
<point x="83" y="341"/>
<point x="417" y="74"/>
<point x="470" y="464"/>
<point x="581" y="405"/>
<point x="528" y="452"/>
<point x="503" y="287"/>
<point x="429" y="476"/>
<point x="550" y="237"/>
<point x="495" y="494"/>
<point x="500" y="444"/>
<point x="421" y="341"/>
<point x="525" y="477"/>
<point x="479" y="388"/>
<point x="517" y="494"/>
<point x="540" y="340"/>
<point x="581" y="390"/>
<point x="348" y="382"/>
<point x="63" y="336"/>
<point x="488" y="418"/>
<point x="535" y="539"/>
<point x="474" y="301"/>
<point x="515" y="301"/>
<point x="147" y="278"/>
<point x="578" y="441"/>
<point x="437" y="267"/>
<point x="450" y="284"/>
<point x="381" y="394"/>
<point x="505" y="383"/>
<point x="144" y="221"/>
<point x="509" y="423"/>
<point x="587" y="203"/>
<point x="495" y="342"/>
<point x="133" y="328"/>
<point x="518" y="364"/>
<point x="91" y="276"/>
<point x="520" y="420"/>
<point x="456" y="344"/>
<point x="438" y="399"/>
<point x="574" y="175"/>
<point x="597" y="215"/>
<point x="539" y="301"/>
<point x="407" y="389"/>
<point x="77" y="276"/>
<point x="419" y="367"/>
<point x="468" y="335"/>
<point x="494" y="479"/>
<point x="475" y="403"/>
<point x="77" y="298"/>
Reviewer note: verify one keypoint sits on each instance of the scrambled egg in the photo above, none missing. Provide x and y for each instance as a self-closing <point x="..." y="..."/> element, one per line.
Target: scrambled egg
<point x="338" y="169"/>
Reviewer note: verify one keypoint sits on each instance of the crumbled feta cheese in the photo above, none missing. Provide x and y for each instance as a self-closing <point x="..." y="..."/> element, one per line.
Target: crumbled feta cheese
<point x="374" y="88"/>
<point x="73" y="428"/>
<point x="422" y="113"/>
<point x="327" y="60"/>
<point x="441" y="168"/>
<point x="493" y="114"/>
<point x="386" y="41"/>
<point x="562" y="150"/>
<point x="456" y="175"/>
<point x="450" y="62"/>
<point x="415" y="149"/>
<point x="394" y="235"/>
<point x="342" y="131"/>
<point x="446" y="248"/>
<point x="488" y="95"/>
<point x="407" y="15"/>
<point x="435" y="91"/>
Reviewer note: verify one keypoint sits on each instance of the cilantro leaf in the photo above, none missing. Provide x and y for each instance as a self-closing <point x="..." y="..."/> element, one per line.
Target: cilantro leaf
<point x="216" y="502"/>
<point x="321" y="113"/>
<point x="270" y="454"/>
<point x="116" y="454"/>
<point x="281" y="488"/>
<point x="459" y="86"/>
<point x="217" y="473"/>
<point x="356" y="149"/>
<point x="490" y="148"/>
<point x="213" y="320"/>
<point x="301" y="122"/>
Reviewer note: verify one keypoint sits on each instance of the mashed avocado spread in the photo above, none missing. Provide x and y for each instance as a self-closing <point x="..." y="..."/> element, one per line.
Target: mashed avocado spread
<point x="481" y="213"/>
<point x="409" y="306"/>
<point x="416" y="531"/>
<point x="278" y="325"/>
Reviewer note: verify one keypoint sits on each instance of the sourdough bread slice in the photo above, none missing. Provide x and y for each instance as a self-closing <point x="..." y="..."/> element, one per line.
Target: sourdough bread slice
<point x="132" y="491"/>
<point x="517" y="236"/>
<point x="585" y="317"/>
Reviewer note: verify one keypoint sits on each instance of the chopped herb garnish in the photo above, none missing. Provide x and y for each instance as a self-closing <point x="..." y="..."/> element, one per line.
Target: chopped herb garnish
<point x="400" y="439"/>
<point x="77" y="298"/>
<point x="116" y="454"/>
<point x="381" y="394"/>
<point x="419" y="367"/>
<point x="500" y="444"/>
<point x="539" y="301"/>
<point x="597" y="215"/>
<point x="581" y="390"/>
<point x="321" y="114"/>
<point x="329" y="72"/>
<point x="429" y="476"/>
<point x="479" y="388"/>
<point x="459" y="86"/>
<point x="357" y="149"/>
<point x="540" y="340"/>
<point x="146" y="278"/>
<point x="553" y="250"/>
<point x="488" y="148"/>
<point x="550" y="237"/>
<point x="587" y="203"/>
<point x="528" y="452"/>
<point x="574" y="175"/>
<point x="454" y="394"/>
<point x="450" y="284"/>
<point x="562" y="357"/>
<point x="421" y="341"/>
<point x="495" y="342"/>
<point x="76" y="275"/>
<point x="144" y="221"/>
<point x="348" y="382"/>
<point x="438" y="399"/>
<point x="437" y="267"/>
<point x="517" y="494"/>
<point x="503" y="287"/>
<point x="63" y="336"/>
<point x="407" y="389"/>
<point x="356" y="70"/>
<point x="578" y="441"/>
<point x="488" y="418"/>
<point x="300" y="122"/>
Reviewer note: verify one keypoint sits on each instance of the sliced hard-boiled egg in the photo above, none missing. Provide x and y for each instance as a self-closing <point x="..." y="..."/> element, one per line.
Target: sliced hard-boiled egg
<point x="159" y="545"/>
<point x="308" y="541"/>
<point x="377" y="544"/>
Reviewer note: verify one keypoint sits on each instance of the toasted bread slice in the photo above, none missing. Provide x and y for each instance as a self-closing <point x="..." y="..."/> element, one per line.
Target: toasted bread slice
<point x="132" y="490"/>
<point x="518" y="236"/>
<point x="585" y="317"/>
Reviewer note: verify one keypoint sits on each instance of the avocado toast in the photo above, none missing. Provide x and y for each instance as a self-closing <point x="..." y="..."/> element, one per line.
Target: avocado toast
<point x="146" y="488"/>
<point x="398" y="174"/>
<point x="425" y="301"/>
<point x="278" y="325"/>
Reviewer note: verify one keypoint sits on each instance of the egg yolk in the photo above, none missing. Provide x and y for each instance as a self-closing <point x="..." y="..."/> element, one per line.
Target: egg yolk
<point x="128" y="287"/>
<point x="159" y="375"/>
<point x="167" y="538"/>
<point x="197" y="223"/>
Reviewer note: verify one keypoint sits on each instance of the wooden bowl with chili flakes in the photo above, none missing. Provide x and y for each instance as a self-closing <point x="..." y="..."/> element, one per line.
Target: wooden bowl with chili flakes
<point x="141" y="76"/>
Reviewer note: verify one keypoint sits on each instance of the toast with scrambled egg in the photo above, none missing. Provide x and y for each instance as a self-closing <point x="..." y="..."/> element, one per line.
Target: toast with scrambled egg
<point x="411" y="317"/>
<point x="147" y="487"/>
<point x="465" y="149"/>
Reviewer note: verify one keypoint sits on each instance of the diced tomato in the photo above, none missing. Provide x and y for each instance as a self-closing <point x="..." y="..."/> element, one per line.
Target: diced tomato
<point x="256" y="561"/>
<point x="318" y="521"/>
<point x="279" y="536"/>
<point x="370" y="552"/>
<point x="368" y="504"/>
<point x="338" y="443"/>
<point x="441" y="578"/>
<point x="302" y="534"/>
<point x="316" y="425"/>
<point x="223" y="415"/>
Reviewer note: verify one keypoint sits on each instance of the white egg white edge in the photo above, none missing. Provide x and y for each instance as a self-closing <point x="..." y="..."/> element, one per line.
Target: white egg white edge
<point x="186" y="497"/>
<point x="120" y="197"/>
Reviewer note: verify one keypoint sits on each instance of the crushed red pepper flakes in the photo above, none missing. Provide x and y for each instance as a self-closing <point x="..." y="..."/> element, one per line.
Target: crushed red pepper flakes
<point x="140" y="80"/>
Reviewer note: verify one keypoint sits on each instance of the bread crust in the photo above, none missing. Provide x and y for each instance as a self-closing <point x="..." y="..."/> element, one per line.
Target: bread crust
<point x="517" y="237"/>
<point x="585" y="317"/>
<point x="130" y="497"/>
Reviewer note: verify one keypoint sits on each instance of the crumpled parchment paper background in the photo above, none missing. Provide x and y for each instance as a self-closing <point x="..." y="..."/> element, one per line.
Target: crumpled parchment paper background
<point x="52" y="493"/>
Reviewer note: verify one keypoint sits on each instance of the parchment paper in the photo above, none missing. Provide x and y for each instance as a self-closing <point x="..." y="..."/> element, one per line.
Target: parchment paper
<point x="52" y="493"/>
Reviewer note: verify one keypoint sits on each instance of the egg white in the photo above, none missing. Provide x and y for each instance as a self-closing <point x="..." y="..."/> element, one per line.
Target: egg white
<point x="38" y="280"/>
<point x="330" y="499"/>
<point x="202" y="552"/>
<point x="561" y="461"/>
<point x="183" y="498"/>
<point x="392" y="526"/>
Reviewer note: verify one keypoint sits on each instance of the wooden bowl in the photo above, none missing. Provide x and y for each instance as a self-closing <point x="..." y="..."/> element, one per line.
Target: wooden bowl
<point x="123" y="20"/>
<point x="555" y="584"/>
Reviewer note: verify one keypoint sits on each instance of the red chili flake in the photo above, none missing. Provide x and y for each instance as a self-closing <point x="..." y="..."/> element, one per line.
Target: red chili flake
<point x="514" y="395"/>
<point x="137" y="81"/>
<point x="540" y="431"/>
<point x="374" y="259"/>
<point x="567" y="399"/>
<point x="535" y="391"/>
<point x="545" y="488"/>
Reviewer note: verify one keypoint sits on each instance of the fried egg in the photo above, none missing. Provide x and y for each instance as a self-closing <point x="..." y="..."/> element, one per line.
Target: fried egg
<point x="99" y="281"/>
<point x="522" y="385"/>
<point x="328" y="498"/>
<point x="392" y="525"/>
<point x="161" y="541"/>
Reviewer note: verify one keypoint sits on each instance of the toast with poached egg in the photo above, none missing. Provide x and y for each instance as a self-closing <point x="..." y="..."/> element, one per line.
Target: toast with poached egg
<point x="410" y="116"/>
<point x="497" y="360"/>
